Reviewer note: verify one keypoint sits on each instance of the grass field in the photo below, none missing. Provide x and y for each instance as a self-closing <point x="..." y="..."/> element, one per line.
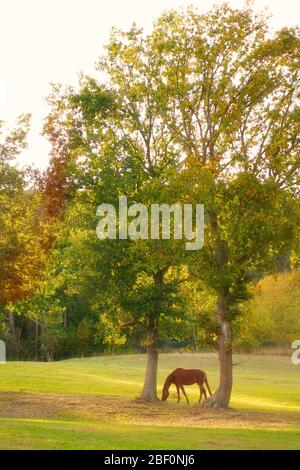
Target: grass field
<point x="91" y="404"/>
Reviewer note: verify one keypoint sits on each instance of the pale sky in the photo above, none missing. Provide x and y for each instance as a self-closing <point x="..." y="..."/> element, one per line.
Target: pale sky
<point x="46" y="41"/>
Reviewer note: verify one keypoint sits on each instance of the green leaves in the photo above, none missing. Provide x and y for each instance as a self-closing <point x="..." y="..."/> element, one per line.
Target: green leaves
<point x="15" y="141"/>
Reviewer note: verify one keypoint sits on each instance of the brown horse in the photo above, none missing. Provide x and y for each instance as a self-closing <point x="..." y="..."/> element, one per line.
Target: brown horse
<point x="181" y="377"/>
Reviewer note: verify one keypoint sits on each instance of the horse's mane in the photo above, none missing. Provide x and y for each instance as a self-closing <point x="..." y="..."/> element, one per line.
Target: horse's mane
<point x="168" y="381"/>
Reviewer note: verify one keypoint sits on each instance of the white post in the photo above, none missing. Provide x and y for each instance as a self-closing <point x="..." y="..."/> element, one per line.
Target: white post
<point x="2" y="352"/>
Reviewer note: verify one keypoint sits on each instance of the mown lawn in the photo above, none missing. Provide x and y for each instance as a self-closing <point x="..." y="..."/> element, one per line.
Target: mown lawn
<point x="28" y="434"/>
<point x="265" y="402"/>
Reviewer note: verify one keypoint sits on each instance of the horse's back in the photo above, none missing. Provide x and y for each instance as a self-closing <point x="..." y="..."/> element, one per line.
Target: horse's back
<point x="190" y="371"/>
<point x="188" y="376"/>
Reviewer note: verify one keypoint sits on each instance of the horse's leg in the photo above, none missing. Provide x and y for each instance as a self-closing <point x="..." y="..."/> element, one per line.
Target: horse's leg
<point x="204" y="392"/>
<point x="183" y="391"/>
<point x="178" y="393"/>
<point x="200" y="398"/>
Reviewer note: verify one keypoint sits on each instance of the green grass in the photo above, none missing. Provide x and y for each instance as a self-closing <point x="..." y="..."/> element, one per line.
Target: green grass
<point x="270" y="383"/>
<point x="263" y="385"/>
<point x="26" y="434"/>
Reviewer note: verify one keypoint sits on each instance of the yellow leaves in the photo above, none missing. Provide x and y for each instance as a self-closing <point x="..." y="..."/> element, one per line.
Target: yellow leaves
<point x="213" y="164"/>
<point x="190" y="162"/>
<point x="273" y="313"/>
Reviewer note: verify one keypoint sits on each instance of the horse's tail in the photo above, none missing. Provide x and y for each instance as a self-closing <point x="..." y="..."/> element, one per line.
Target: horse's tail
<point x="208" y="387"/>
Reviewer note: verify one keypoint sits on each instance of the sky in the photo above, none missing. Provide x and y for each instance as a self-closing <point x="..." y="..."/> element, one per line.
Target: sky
<point x="43" y="41"/>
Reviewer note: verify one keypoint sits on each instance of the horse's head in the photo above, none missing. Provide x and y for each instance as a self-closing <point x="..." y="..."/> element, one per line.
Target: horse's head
<point x="165" y="394"/>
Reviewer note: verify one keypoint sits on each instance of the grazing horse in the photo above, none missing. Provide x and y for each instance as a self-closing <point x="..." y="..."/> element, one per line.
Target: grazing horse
<point x="181" y="377"/>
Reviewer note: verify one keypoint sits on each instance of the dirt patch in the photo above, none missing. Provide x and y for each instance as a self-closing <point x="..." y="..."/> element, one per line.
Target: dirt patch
<point x="105" y="408"/>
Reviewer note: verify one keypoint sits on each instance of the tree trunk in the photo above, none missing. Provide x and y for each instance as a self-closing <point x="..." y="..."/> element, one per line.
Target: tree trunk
<point x="221" y="397"/>
<point x="36" y="340"/>
<point x="149" y="392"/>
<point x="12" y="328"/>
<point x="14" y="340"/>
<point x="195" y="338"/>
<point x="65" y="320"/>
<point x="150" y="384"/>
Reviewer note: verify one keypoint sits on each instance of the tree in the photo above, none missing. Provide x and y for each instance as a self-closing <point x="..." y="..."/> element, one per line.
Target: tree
<point x="12" y="195"/>
<point x="20" y="228"/>
<point x="116" y="146"/>
<point x="230" y="98"/>
<point x="146" y="296"/>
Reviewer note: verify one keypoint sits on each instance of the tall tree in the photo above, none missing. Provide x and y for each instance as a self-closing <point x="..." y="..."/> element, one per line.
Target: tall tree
<point x="117" y="146"/>
<point x="230" y="99"/>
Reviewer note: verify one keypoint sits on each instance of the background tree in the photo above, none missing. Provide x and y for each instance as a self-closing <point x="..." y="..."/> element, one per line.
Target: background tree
<point x="21" y="231"/>
<point x="271" y="318"/>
